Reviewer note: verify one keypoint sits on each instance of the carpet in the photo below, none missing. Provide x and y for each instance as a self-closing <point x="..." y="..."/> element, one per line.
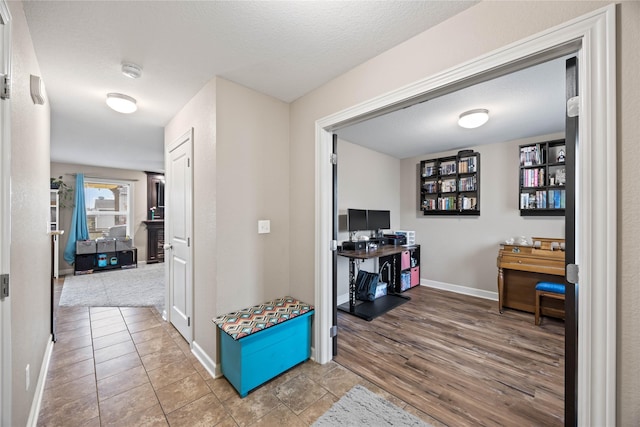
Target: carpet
<point x="361" y="407"/>
<point x="134" y="287"/>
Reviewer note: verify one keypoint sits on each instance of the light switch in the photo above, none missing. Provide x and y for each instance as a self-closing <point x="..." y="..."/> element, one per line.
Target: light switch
<point x="264" y="226"/>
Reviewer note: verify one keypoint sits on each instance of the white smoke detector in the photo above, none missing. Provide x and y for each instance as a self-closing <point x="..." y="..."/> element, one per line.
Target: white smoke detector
<point x="131" y="70"/>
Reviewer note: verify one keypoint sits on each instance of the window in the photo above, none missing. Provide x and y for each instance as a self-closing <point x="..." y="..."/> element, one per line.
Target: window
<point x="108" y="204"/>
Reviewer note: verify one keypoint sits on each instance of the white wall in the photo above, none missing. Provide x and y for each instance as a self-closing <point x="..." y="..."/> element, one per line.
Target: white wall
<point x="241" y="141"/>
<point x="30" y="242"/>
<point x="139" y="205"/>
<point x="476" y="31"/>
<point x="462" y="250"/>
<point x="366" y="180"/>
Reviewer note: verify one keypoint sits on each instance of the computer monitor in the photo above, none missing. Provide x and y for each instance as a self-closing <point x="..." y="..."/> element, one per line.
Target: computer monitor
<point x="357" y="219"/>
<point x="378" y="220"/>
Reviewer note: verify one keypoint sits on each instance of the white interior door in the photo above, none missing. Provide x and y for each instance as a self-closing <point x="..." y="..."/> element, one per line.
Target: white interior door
<point x="5" y="220"/>
<point x="178" y="223"/>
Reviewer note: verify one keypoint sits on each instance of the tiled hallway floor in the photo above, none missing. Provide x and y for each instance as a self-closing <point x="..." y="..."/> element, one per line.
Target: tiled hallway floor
<point x="126" y="366"/>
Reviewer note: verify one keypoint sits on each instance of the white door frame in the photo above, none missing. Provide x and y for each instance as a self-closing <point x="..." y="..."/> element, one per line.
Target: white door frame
<point x="186" y="138"/>
<point x="596" y="195"/>
<point x="5" y="221"/>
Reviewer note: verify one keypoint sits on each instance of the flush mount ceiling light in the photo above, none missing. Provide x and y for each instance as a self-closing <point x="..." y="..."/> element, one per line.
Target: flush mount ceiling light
<point x="473" y="118"/>
<point x="131" y="70"/>
<point x="121" y="103"/>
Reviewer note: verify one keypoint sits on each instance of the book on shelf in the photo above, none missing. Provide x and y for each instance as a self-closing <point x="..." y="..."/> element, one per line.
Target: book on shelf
<point x="448" y="168"/>
<point x="467" y="165"/>
<point x="531" y="155"/>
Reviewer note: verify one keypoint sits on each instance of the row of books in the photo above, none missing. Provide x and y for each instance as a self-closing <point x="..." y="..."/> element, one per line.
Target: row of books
<point x="533" y="177"/>
<point x="448" y="168"/>
<point x="450" y="203"/>
<point x="467" y="183"/>
<point x="429" y="171"/>
<point x="467" y="165"/>
<point x="552" y="199"/>
<point x="449" y="185"/>
<point x="531" y="155"/>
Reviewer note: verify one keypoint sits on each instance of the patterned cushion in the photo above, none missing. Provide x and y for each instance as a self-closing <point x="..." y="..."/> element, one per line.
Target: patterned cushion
<point x="259" y="317"/>
<point x="556" y="288"/>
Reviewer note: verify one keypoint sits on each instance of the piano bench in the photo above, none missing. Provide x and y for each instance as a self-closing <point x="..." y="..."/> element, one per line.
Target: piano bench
<point x="549" y="290"/>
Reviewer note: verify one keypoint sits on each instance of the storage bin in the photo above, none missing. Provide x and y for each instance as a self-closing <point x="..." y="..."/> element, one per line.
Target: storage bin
<point x="415" y="276"/>
<point x="123" y="244"/>
<point x="261" y="342"/>
<point x="128" y="259"/>
<point x="405" y="281"/>
<point x="85" y="247"/>
<point x="405" y="260"/>
<point x="106" y="244"/>
<point x="84" y="263"/>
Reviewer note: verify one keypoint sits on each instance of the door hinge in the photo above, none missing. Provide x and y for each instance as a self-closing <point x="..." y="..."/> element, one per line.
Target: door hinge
<point x="573" y="106"/>
<point x="333" y="245"/>
<point x="4" y="286"/>
<point x="188" y="242"/>
<point x="333" y="331"/>
<point x="333" y="159"/>
<point x="188" y="162"/>
<point x="5" y="88"/>
<point x="188" y="321"/>
<point x="573" y="273"/>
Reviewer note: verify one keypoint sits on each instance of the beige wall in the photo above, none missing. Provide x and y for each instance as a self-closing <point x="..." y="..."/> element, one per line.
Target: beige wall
<point x="241" y="140"/>
<point x="138" y="229"/>
<point x="472" y="242"/>
<point x="472" y="33"/>
<point x="252" y="184"/>
<point x="30" y="243"/>
<point x="200" y="114"/>
<point x="366" y="180"/>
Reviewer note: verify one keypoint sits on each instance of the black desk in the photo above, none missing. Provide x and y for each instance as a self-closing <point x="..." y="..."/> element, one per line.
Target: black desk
<point x="368" y="310"/>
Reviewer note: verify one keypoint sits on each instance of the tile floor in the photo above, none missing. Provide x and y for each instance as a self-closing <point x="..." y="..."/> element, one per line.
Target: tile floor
<point x="126" y="366"/>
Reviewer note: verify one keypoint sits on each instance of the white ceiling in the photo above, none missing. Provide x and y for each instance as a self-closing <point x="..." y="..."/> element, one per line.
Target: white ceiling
<point x="283" y="49"/>
<point x="522" y="104"/>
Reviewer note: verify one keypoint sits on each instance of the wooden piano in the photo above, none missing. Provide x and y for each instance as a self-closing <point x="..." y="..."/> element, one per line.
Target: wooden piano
<point x="520" y="268"/>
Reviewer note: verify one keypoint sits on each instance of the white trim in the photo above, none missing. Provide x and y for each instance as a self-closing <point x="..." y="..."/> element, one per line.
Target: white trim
<point x="39" y="392"/>
<point x="212" y="368"/>
<point x="596" y="222"/>
<point x="5" y="221"/>
<point x="459" y="289"/>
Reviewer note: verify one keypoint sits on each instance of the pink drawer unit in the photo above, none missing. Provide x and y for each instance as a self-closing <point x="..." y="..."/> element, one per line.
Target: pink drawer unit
<point x="405" y="260"/>
<point x="415" y="276"/>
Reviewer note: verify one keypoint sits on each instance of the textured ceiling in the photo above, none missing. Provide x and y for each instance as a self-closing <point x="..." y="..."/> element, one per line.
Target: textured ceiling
<point x="522" y="104"/>
<point x="283" y="49"/>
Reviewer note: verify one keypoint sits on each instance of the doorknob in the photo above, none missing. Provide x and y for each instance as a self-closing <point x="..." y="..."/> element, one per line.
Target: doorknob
<point x="167" y="246"/>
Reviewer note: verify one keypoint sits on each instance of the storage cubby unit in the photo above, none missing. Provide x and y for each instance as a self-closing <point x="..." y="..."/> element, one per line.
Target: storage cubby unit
<point x="451" y="185"/>
<point x="542" y="179"/>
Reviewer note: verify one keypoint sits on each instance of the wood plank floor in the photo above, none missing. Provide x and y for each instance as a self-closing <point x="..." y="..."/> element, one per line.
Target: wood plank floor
<point x="457" y="359"/>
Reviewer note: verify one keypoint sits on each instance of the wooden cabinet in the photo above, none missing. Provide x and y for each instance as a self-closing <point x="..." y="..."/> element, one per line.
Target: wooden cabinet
<point x="542" y="178"/>
<point x="451" y="185"/>
<point x="155" y="217"/>
<point x="155" y="196"/>
<point x="155" y="241"/>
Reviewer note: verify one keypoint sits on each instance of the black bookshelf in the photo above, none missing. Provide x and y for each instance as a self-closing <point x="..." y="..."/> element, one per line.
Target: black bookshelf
<point x="450" y="185"/>
<point x="542" y="179"/>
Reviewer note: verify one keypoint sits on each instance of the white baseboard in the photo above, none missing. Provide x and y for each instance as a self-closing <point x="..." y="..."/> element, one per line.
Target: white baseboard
<point x="65" y="272"/>
<point x="37" y="397"/>
<point x="207" y="362"/>
<point x="458" y="289"/>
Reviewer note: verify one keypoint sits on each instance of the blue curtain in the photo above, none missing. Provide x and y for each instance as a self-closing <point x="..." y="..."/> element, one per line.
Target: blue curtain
<point x="79" y="229"/>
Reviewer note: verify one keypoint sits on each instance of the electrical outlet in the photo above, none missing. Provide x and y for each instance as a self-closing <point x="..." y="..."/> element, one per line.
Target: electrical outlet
<point x="28" y="377"/>
<point x="264" y="226"/>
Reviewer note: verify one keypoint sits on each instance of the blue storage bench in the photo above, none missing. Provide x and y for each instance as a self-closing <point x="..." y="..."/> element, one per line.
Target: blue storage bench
<point x="260" y="342"/>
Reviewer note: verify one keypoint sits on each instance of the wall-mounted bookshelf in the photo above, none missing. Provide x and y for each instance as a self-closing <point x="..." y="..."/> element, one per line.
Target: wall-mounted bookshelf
<point x="451" y="185"/>
<point x="542" y="179"/>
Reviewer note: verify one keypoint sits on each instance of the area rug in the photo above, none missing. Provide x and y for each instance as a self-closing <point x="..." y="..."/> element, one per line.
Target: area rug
<point x="134" y="287"/>
<point x="361" y="407"/>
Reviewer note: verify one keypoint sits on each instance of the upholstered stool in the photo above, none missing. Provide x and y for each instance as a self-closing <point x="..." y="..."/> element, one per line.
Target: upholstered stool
<point x="549" y="290"/>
